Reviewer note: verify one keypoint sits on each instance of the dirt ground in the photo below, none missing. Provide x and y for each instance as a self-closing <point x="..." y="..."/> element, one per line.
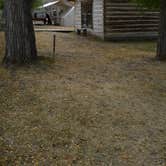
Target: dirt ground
<point x="53" y="27"/>
<point x="98" y="104"/>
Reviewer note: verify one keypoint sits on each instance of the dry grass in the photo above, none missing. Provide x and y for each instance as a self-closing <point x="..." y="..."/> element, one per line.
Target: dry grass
<point x="98" y="104"/>
<point x="54" y="27"/>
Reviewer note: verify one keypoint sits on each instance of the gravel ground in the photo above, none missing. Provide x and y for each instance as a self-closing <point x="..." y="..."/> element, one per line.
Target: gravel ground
<point x="97" y="104"/>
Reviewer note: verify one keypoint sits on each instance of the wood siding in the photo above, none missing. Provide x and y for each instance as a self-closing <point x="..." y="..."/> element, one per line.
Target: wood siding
<point x="120" y="19"/>
<point x="125" y="20"/>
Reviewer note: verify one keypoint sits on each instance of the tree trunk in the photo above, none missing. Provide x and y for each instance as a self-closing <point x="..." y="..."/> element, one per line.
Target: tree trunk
<point x="161" y="52"/>
<point x="19" y="32"/>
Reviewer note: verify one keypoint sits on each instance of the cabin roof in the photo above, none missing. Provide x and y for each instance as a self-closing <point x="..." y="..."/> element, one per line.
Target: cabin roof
<point x="50" y="4"/>
<point x="64" y="2"/>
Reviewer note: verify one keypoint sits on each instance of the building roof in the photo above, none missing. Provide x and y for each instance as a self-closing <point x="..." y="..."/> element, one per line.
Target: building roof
<point x="49" y="4"/>
<point x="65" y="2"/>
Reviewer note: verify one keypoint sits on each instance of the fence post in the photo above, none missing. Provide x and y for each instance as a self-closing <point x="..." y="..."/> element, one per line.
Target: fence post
<point x="54" y="44"/>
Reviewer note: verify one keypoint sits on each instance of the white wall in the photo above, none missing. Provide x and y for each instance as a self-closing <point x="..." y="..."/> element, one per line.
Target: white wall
<point x="68" y="18"/>
<point x="77" y="15"/>
<point x="98" y="17"/>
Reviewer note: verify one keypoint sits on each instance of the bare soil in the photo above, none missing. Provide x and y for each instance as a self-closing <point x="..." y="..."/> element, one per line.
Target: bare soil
<point x="97" y="104"/>
<point x="53" y="27"/>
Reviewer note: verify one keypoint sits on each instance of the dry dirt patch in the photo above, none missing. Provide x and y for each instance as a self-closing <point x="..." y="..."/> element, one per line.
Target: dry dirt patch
<point x="98" y="103"/>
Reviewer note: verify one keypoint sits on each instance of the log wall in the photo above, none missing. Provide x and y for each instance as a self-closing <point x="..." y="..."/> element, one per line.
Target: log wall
<point x="125" y="20"/>
<point x="120" y="20"/>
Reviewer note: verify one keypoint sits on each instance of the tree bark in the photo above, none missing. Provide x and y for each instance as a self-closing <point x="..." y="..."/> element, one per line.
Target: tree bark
<point x="161" y="50"/>
<point x="19" y="32"/>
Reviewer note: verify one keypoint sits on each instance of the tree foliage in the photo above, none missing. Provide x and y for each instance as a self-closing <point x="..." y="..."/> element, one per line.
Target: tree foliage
<point x="35" y="3"/>
<point x="153" y="4"/>
<point x="1" y="4"/>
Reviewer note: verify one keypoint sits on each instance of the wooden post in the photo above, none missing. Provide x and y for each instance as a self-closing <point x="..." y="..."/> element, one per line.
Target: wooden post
<point x="54" y="43"/>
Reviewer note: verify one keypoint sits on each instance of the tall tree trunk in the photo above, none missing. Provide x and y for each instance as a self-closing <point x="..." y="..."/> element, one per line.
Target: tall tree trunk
<point x="161" y="52"/>
<point x="20" y="36"/>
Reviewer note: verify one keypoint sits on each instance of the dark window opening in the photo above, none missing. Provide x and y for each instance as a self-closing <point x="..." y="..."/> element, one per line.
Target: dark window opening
<point x="87" y="14"/>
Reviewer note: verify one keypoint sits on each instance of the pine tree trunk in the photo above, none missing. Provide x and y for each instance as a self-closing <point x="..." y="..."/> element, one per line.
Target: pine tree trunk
<point x="20" y="36"/>
<point x="161" y="52"/>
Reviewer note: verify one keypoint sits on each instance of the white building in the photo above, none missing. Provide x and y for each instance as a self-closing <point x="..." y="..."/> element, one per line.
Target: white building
<point x="61" y="12"/>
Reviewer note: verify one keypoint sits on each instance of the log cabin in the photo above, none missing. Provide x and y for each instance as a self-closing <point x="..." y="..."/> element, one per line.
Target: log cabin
<point x="116" y="19"/>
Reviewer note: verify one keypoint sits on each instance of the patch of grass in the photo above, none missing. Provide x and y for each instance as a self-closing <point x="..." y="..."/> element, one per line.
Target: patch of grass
<point x="96" y="103"/>
<point x="46" y="60"/>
